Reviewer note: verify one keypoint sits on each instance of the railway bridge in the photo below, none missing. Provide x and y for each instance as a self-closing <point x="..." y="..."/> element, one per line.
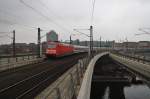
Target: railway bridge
<point x="72" y="77"/>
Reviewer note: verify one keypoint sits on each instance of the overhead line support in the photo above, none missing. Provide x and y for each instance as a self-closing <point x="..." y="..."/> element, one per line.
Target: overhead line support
<point x="14" y="47"/>
<point x="39" y="43"/>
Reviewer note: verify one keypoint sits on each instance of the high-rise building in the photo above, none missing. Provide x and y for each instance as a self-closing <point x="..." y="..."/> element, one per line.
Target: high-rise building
<point x="52" y="36"/>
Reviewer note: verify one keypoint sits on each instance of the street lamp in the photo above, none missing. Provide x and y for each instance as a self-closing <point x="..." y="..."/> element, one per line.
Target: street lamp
<point x="81" y="32"/>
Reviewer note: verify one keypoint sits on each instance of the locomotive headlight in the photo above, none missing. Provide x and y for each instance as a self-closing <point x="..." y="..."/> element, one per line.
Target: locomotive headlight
<point x="51" y="51"/>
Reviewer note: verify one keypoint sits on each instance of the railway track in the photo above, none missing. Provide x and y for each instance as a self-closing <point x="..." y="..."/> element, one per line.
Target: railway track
<point x="30" y="86"/>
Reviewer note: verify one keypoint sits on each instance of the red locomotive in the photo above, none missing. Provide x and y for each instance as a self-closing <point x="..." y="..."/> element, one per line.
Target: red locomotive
<point x="57" y="49"/>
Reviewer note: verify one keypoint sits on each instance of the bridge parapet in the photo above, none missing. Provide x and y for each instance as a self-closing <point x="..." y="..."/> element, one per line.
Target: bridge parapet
<point x="74" y="84"/>
<point x="13" y="62"/>
<point x="66" y="86"/>
<point x="85" y="89"/>
<point x="139" y="58"/>
<point x="138" y="67"/>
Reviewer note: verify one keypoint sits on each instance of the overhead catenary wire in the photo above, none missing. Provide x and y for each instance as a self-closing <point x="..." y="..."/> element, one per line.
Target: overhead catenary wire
<point x="48" y="9"/>
<point x="51" y="12"/>
<point x="7" y="22"/>
<point x="41" y="14"/>
<point x="5" y="32"/>
<point x="15" y="23"/>
<point x="81" y="33"/>
<point x="145" y="28"/>
<point x="144" y="32"/>
<point x="12" y="22"/>
<point x="2" y="36"/>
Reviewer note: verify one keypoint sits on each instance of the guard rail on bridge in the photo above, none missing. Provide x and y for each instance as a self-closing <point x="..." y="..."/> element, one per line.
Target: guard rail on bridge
<point x="8" y="62"/>
<point x="137" y="66"/>
<point x="18" y="55"/>
<point x="138" y="58"/>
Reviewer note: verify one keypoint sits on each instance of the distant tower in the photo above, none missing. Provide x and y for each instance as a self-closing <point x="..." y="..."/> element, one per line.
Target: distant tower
<point x="52" y="36"/>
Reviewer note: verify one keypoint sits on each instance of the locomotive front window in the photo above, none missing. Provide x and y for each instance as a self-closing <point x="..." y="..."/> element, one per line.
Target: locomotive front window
<point x="51" y="46"/>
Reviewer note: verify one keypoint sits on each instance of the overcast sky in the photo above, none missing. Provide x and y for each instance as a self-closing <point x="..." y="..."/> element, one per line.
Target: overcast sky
<point x="113" y="19"/>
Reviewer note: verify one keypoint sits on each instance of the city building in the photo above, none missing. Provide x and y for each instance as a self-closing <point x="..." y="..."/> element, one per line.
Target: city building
<point x="144" y="44"/>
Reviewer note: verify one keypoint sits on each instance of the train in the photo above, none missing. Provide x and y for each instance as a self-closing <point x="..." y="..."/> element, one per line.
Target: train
<point x="57" y="49"/>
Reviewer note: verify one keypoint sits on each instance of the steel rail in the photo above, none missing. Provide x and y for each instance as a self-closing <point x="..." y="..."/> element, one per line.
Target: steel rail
<point x="36" y="76"/>
<point x="28" y="78"/>
<point x="40" y="83"/>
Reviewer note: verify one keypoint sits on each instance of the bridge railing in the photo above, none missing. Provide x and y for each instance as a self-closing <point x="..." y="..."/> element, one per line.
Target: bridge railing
<point x="138" y="68"/>
<point x="12" y="62"/>
<point x="18" y="55"/>
<point x="138" y="58"/>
